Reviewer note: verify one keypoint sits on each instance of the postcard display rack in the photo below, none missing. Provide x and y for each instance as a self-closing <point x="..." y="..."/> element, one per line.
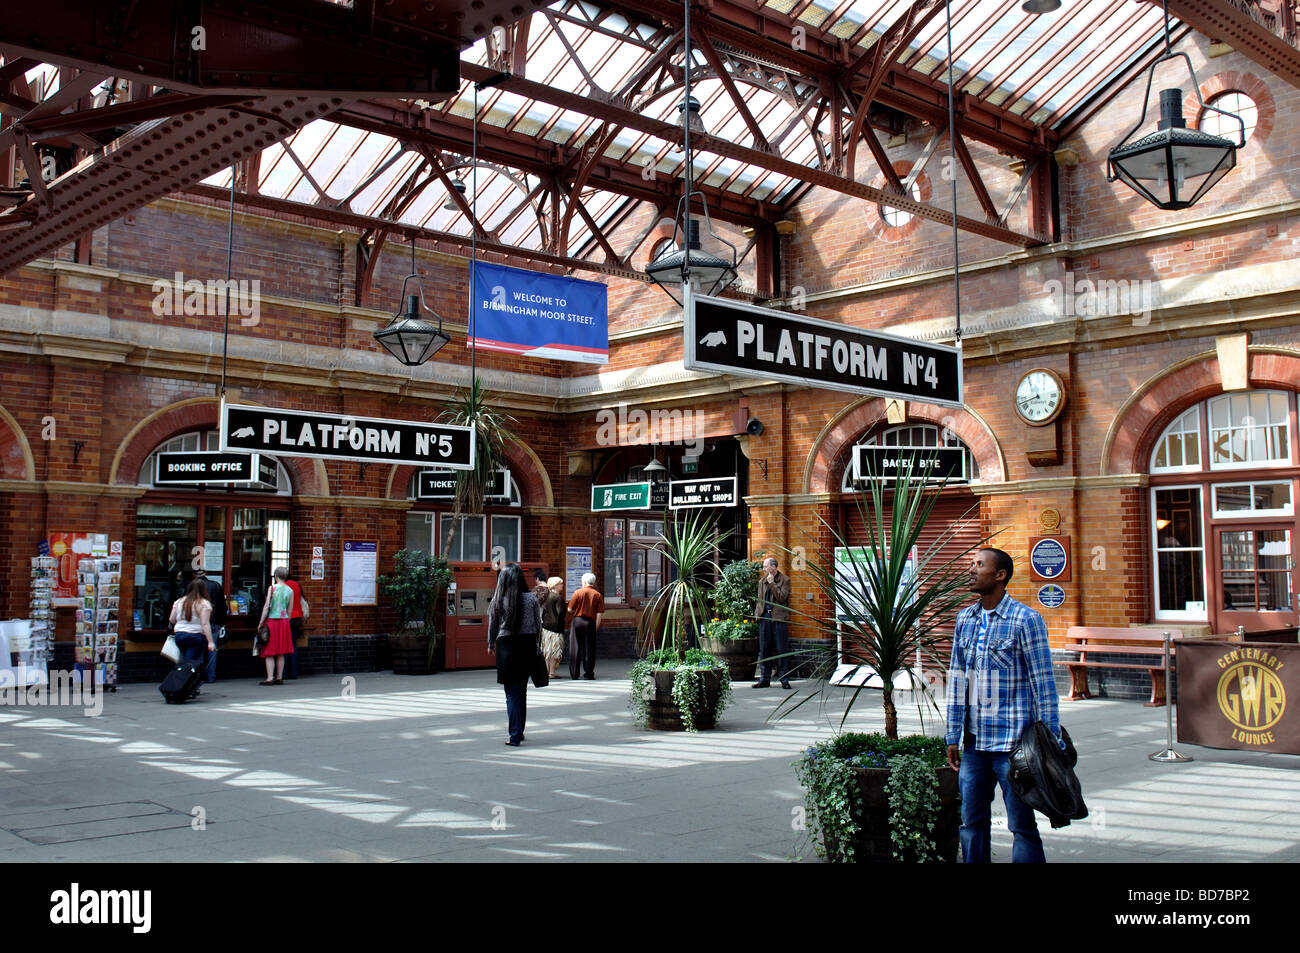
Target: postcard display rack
<point x="35" y="648"/>
<point x="98" y="584"/>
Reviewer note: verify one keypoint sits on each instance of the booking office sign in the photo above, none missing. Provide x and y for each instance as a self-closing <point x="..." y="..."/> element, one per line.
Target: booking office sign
<point x="735" y="338"/>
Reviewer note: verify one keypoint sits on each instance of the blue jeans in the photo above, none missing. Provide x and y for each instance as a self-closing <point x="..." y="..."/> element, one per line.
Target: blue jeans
<point x="516" y="709"/>
<point x="192" y="646"/>
<point x="979" y="771"/>
<point x="210" y="666"/>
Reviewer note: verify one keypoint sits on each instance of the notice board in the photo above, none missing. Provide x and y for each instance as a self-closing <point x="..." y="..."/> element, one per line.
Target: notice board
<point x="358" y="582"/>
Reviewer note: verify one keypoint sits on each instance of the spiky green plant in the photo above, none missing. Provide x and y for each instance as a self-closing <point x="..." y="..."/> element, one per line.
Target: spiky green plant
<point x="682" y="604"/>
<point x="893" y="615"/>
<point x="493" y="430"/>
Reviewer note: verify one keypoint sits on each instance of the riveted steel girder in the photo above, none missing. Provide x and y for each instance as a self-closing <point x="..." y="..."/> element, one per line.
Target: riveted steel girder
<point x="821" y="57"/>
<point x="847" y="186"/>
<point x="290" y="46"/>
<point x="1263" y="33"/>
<point x="149" y="162"/>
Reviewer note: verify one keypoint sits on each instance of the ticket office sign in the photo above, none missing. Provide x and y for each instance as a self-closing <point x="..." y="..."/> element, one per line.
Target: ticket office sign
<point x="441" y="485"/>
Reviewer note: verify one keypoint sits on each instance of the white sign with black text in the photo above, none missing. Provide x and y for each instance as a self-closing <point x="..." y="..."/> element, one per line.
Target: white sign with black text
<point x="693" y="494"/>
<point x="328" y="436"/>
<point x="748" y="341"/>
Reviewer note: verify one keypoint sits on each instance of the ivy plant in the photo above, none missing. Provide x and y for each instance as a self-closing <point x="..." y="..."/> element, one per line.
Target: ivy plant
<point x="688" y="684"/>
<point x="913" y="791"/>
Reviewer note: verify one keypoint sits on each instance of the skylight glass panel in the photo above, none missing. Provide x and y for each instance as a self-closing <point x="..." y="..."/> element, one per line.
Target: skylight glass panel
<point x="373" y="197"/>
<point x="1016" y="48"/>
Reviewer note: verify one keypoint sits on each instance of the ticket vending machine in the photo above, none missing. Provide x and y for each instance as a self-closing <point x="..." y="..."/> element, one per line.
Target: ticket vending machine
<point x="467" y="613"/>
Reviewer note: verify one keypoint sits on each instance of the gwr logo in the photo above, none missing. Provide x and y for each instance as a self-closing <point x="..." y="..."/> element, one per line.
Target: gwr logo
<point x="1251" y="696"/>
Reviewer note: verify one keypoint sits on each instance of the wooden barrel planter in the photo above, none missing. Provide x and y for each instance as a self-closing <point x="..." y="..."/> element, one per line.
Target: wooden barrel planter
<point x="873" y="845"/>
<point x="662" y="713"/>
<point x="410" y="654"/>
<point x="741" y="655"/>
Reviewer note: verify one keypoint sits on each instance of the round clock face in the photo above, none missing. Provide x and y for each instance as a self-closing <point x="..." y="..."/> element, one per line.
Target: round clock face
<point x="1039" y="397"/>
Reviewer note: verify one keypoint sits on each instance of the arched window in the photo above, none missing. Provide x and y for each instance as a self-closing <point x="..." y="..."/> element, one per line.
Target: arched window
<point x="479" y="537"/>
<point x="208" y="440"/>
<point x="917" y="436"/>
<point x="237" y="533"/>
<point x="1224" y="477"/>
<point x="895" y="217"/>
<point x="1235" y="102"/>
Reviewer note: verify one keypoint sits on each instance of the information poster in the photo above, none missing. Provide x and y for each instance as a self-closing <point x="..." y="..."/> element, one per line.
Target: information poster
<point x="67" y="549"/>
<point x="577" y="560"/>
<point x="358" y="584"/>
<point x="852" y="584"/>
<point x="214" y="554"/>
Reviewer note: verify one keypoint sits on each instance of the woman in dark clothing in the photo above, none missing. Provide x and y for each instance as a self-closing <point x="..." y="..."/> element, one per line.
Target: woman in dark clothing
<point x="514" y="627"/>
<point x="553" y="606"/>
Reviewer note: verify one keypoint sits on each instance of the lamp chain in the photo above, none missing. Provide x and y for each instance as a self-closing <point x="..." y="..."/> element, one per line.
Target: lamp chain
<point x="952" y="149"/>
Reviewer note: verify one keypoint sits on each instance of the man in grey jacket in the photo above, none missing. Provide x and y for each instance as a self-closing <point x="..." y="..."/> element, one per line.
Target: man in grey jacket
<point x="773" y="614"/>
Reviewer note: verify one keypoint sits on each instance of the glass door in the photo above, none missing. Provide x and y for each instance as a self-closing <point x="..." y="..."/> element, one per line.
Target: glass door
<point x="165" y="535"/>
<point x="1256" y="583"/>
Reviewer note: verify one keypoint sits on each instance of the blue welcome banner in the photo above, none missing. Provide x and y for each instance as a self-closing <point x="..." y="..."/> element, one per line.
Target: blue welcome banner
<point x="540" y="315"/>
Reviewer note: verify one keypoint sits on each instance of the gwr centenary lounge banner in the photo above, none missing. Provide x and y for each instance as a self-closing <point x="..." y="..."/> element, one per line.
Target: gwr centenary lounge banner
<point x="1239" y="695"/>
<point x="540" y="315"/>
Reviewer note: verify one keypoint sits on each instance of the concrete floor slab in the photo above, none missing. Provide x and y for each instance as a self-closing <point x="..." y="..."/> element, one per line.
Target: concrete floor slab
<point x="414" y="769"/>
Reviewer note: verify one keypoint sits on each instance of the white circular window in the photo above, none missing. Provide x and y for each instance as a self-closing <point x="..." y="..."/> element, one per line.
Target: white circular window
<point x="897" y="218"/>
<point x="1237" y="103"/>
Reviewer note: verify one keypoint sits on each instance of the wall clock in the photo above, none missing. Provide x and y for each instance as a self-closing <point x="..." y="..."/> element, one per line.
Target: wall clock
<point x="1040" y="397"/>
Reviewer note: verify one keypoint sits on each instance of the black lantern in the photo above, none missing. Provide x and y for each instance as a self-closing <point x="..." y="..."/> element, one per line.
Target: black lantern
<point x="409" y="337"/>
<point x="656" y="471"/>
<point x="690" y="110"/>
<point x="1174" y="166"/>
<point x="688" y="263"/>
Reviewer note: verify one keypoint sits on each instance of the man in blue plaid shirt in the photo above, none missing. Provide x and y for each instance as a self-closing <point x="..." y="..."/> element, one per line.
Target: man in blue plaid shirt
<point x="1000" y="682"/>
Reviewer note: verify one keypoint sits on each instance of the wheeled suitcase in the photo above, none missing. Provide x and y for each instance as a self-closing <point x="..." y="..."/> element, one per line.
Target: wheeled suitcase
<point x="181" y="683"/>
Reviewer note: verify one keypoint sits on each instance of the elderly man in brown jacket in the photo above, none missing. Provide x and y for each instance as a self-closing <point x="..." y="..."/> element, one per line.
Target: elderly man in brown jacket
<point x="773" y="614"/>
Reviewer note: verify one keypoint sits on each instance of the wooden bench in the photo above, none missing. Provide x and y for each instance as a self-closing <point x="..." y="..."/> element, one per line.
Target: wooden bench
<point x="1094" y="643"/>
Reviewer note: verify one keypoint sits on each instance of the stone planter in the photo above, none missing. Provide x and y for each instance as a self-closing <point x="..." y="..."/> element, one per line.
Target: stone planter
<point x="662" y="712"/>
<point x="873" y="845"/>
<point x="741" y="655"/>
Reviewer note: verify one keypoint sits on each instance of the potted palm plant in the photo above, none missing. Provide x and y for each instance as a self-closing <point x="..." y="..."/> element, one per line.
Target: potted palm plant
<point x="894" y="599"/>
<point x="415" y="588"/>
<point x="676" y="687"/>
<point x="493" y="430"/>
<point x="732" y="633"/>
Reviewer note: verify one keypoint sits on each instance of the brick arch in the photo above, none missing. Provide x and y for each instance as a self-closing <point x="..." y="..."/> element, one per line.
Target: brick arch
<point x="1154" y="405"/>
<point x="197" y="413"/>
<point x="526" y="469"/>
<point x="830" y="451"/>
<point x="1233" y="81"/>
<point x="16" y="461"/>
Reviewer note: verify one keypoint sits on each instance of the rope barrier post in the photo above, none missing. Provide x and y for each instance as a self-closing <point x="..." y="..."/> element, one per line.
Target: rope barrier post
<point x="1169" y="755"/>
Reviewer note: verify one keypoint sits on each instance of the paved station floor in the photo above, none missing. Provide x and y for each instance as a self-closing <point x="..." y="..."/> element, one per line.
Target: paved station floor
<point x="379" y="767"/>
